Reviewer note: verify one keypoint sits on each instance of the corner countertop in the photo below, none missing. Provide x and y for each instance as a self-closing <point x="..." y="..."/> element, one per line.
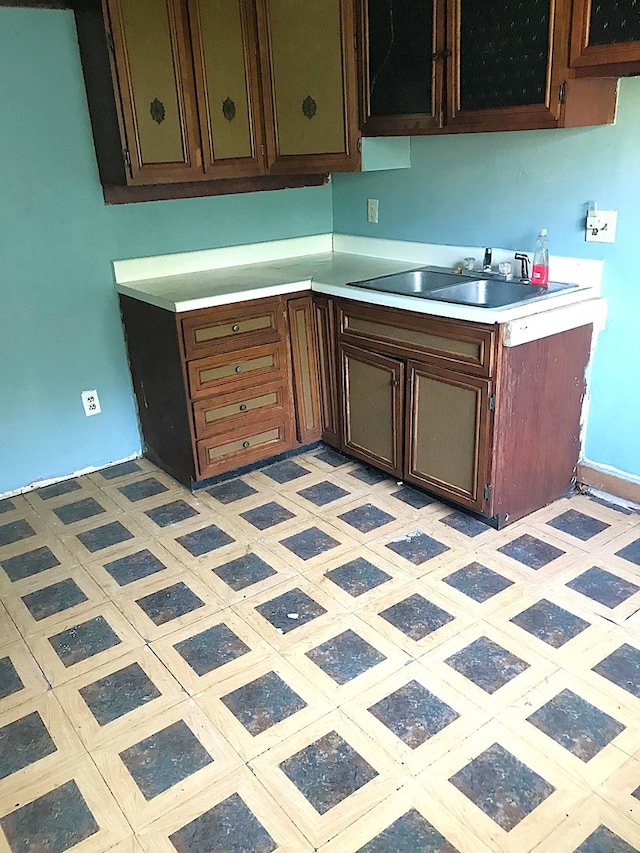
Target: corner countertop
<point x="327" y="263"/>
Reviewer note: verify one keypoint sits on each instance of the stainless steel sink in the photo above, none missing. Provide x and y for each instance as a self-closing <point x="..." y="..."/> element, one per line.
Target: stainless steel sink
<point x="487" y="293"/>
<point x="418" y="282"/>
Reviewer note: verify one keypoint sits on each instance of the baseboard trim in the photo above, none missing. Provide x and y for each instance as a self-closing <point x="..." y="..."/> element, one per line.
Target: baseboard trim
<point x="609" y="483"/>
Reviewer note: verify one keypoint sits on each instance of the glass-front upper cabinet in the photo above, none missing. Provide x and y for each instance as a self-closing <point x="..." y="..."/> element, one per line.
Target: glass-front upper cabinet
<point x="605" y="37"/>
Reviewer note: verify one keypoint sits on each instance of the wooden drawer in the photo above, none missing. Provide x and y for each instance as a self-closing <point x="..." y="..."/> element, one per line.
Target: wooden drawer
<point x="230" y="327"/>
<point x="224" y="412"/>
<point x="243" y="446"/>
<point x="233" y="371"/>
<point x="452" y="343"/>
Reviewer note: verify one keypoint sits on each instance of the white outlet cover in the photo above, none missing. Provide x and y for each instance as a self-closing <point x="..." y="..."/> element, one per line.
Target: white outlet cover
<point x="91" y="402"/>
<point x="372" y="210"/>
<point x="607" y="221"/>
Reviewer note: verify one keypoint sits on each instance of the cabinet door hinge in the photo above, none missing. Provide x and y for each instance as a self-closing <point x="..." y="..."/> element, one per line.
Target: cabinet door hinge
<point x="355" y="42"/>
<point x="110" y="42"/>
<point x="487" y="492"/>
<point x="563" y="93"/>
<point x="492" y="403"/>
<point x="359" y="145"/>
<point x="127" y="157"/>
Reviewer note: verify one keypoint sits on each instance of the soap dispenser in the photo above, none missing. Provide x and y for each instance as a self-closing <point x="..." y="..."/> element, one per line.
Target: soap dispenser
<point x="540" y="270"/>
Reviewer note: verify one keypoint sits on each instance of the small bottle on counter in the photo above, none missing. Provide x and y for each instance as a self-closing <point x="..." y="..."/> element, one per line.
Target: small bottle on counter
<point x="540" y="270"/>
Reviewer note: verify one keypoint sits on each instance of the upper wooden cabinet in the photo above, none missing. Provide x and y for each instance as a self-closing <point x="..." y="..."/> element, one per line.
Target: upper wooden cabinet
<point x="197" y="90"/>
<point x="477" y="67"/>
<point x="605" y="38"/>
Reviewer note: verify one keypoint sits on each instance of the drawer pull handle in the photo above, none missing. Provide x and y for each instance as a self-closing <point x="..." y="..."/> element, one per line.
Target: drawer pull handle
<point x="243" y="407"/>
<point x="235" y="328"/>
<point x="245" y="444"/>
<point x="239" y="369"/>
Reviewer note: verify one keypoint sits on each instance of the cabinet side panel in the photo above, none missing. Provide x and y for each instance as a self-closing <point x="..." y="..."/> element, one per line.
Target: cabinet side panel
<point x="156" y="369"/>
<point x="537" y="427"/>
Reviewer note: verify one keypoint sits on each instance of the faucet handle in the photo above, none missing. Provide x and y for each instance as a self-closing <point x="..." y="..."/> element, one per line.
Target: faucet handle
<point x="524" y="269"/>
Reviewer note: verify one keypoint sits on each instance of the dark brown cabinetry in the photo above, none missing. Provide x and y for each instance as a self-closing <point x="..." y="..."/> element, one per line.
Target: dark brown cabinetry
<point x="605" y="38"/>
<point x="473" y="67"/>
<point x="324" y="315"/>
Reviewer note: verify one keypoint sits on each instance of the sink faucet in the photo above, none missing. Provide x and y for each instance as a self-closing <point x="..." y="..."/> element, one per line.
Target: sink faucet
<point x="486" y="263"/>
<point x="524" y="269"/>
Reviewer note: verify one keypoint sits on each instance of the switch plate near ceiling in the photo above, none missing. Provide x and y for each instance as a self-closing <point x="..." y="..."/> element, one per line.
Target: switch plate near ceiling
<point x="601" y="226"/>
<point x="372" y="210"/>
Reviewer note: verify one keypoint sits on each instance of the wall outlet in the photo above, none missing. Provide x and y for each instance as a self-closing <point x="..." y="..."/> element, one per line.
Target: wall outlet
<point x="372" y="210"/>
<point x="91" y="402"/>
<point x="601" y="226"/>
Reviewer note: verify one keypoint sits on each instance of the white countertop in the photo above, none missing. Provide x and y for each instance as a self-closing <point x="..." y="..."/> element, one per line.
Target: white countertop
<point x="327" y="263"/>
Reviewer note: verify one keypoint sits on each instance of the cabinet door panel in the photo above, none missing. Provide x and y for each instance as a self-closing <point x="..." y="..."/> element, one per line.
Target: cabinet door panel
<point x="373" y="400"/>
<point x="304" y="361"/>
<point x="327" y="368"/>
<point x="606" y="36"/>
<point x="448" y="437"/>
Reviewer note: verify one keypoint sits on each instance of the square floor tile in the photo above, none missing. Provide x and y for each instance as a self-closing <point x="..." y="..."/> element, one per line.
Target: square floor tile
<point x="134" y="567"/>
<point x="410" y="833"/>
<point x="630" y="552"/>
<point x="55" y="490"/>
<point x="267" y="515"/>
<point x="6" y="505"/>
<point x="323" y="493"/>
<point x="169" y="603"/>
<point x="502" y="786"/>
<point x="78" y="510"/>
<point x="244" y="571"/>
<point x="345" y="656"/>
<point x="290" y="610"/>
<point x="478" y="582"/>
<point x="15" y="531"/>
<point x="577" y="524"/>
<point x="603" y="840"/>
<point x="531" y="552"/>
<point x="164" y="759"/>
<point x="141" y="489"/>
<point x="263" y="702"/>
<point x="99" y="538"/>
<point x="576" y="724"/>
<point x="23" y="742"/>
<point x="10" y="681"/>
<point x="370" y="476"/>
<point x="332" y="457"/>
<point x="53" y="599"/>
<point x="413" y="713"/>
<point x="171" y="513"/>
<point x="328" y="771"/>
<point x="622" y="667"/>
<point x="357" y="576"/>
<point x="122" y="469"/>
<point x="284" y="472"/>
<point x="309" y="543"/>
<point x="366" y="518"/>
<point x="205" y="540"/>
<point x="604" y="587"/>
<point x="29" y="563"/>
<point x="229" y="827"/>
<point x="413" y="498"/>
<point x="416" y="617"/>
<point x="231" y="491"/>
<point x="464" y="523"/>
<point x="211" y="649"/>
<point x="84" y="640"/>
<point x="417" y="547"/>
<point x="552" y="624"/>
<point x="487" y="664"/>
<point x="119" y="693"/>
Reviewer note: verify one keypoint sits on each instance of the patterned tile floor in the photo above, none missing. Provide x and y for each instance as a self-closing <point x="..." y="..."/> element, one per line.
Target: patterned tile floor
<point x="314" y="657"/>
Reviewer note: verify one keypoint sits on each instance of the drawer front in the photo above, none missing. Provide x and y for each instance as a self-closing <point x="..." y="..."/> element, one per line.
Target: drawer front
<point x="467" y="346"/>
<point x="224" y="412"/>
<point x="236" y="370"/>
<point x="230" y="327"/>
<point x="242" y="447"/>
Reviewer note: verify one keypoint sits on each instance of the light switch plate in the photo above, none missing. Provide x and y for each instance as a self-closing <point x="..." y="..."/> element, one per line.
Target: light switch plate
<point x="372" y="210"/>
<point x="601" y="227"/>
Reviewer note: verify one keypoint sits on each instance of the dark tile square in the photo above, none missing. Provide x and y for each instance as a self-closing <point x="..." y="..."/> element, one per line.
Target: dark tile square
<point x="66" y="487"/>
<point x="323" y="493"/>
<point x="120" y="470"/>
<point x="171" y="513"/>
<point x="290" y="610"/>
<point x="133" y="567"/>
<point x="229" y="827"/>
<point x="244" y="571"/>
<point x="203" y="541"/>
<point x="604" y="587"/>
<point x="267" y="515"/>
<point x="411" y="833"/>
<point x="103" y="537"/>
<point x="622" y="667"/>
<point x="578" y="524"/>
<point x="412" y="497"/>
<point x="530" y="551"/>
<point x="84" y="640"/>
<point x="263" y="703"/>
<point x="119" y="693"/>
<point x="636" y="793"/>
<point x="15" y="531"/>
<point x="603" y="840"/>
<point x="164" y="759"/>
<point x="552" y="624"/>
<point x="55" y="822"/>
<point x="30" y="563"/>
<point x="54" y="599"/>
<point x="284" y="472"/>
<point x="22" y="743"/>
<point x="309" y="543"/>
<point x="413" y="714"/>
<point x="464" y="523"/>
<point x="487" y="664"/>
<point x="10" y="682"/>
<point x="6" y="505"/>
<point x="416" y="617"/>
<point x="576" y="724"/>
<point x="169" y="603"/>
<point x="345" y="656"/>
<point x="478" y="582"/>
<point x="417" y="547"/>
<point x="358" y="576"/>
<point x="501" y="786"/>
<point x="370" y="476"/>
<point x="630" y="552"/>
<point x="232" y="490"/>
<point x="78" y="510"/>
<point x="623" y="510"/>
<point x="142" y="489"/>
<point x="366" y="518"/>
<point x="332" y="457"/>
<point x="212" y="648"/>
<point x="327" y="771"/>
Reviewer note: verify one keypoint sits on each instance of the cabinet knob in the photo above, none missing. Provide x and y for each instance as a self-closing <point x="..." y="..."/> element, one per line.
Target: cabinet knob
<point x="245" y="444"/>
<point x="243" y="407"/>
<point x="235" y="328"/>
<point x="395" y="382"/>
<point x="239" y="368"/>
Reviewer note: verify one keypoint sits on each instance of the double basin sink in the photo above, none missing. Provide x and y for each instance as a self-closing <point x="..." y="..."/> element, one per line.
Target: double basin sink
<point x="442" y="285"/>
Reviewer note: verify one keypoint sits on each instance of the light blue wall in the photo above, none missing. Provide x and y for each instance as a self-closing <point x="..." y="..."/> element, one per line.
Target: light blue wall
<point x="60" y="330"/>
<point x="499" y="189"/>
